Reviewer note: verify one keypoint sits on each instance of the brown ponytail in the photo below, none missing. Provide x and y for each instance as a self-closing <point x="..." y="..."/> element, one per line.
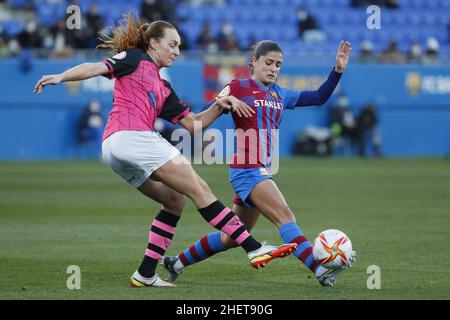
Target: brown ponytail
<point x="134" y="34"/>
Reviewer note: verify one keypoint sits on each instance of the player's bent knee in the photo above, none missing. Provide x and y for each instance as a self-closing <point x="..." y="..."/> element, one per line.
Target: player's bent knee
<point x="205" y="188"/>
<point x="200" y="190"/>
<point x="175" y="203"/>
<point x="287" y="216"/>
<point x="282" y="216"/>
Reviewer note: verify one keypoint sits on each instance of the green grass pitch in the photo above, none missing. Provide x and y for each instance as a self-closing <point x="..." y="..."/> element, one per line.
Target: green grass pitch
<point x="56" y="214"/>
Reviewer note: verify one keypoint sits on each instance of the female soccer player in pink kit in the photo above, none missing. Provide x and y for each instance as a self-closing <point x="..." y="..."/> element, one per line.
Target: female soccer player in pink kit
<point x="135" y="151"/>
<point x="250" y="175"/>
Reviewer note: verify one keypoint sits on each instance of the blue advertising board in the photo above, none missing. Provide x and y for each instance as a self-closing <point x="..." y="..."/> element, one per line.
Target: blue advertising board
<point x="413" y="103"/>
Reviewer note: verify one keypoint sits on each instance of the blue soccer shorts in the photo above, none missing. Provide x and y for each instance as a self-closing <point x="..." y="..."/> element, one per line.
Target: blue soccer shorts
<point x="244" y="180"/>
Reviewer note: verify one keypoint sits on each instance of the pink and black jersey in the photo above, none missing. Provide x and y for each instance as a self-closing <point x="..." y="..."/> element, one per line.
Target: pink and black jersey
<point x="258" y="136"/>
<point x="140" y="95"/>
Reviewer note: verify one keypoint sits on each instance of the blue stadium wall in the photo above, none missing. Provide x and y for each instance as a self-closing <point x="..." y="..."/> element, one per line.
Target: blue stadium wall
<point x="413" y="103"/>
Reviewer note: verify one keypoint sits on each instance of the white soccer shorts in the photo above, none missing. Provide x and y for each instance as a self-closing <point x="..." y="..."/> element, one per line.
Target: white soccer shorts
<point x="135" y="155"/>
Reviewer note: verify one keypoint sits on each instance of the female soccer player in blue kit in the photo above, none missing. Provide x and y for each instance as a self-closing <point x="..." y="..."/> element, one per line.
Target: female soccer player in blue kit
<point x="250" y="176"/>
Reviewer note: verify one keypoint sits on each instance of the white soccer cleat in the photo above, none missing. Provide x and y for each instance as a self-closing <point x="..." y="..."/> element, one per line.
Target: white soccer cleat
<point x="328" y="278"/>
<point x="138" y="281"/>
<point x="260" y="257"/>
<point x="172" y="265"/>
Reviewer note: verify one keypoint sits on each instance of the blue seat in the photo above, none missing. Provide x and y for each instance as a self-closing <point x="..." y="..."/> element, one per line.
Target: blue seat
<point x="289" y="34"/>
<point x="50" y="13"/>
<point x="326" y="3"/>
<point x="432" y="4"/>
<point x="183" y="11"/>
<point x="442" y="35"/>
<point x="308" y="3"/>
<point x="283" y="3"/>
<point x="443" y="18"/>
<point x="399" y="19"/>
<point x="413" y="18"/>
<point x="416" y="4"/>
<point x="430" y="19"/>
<point x="18" y="3"/>
<point x="264" y="2"/>
<point x="12" y="28"/>
<point x="229" y="15"/>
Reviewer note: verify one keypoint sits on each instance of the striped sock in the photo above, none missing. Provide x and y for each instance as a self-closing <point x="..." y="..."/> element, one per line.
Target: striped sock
<point x="204" y="248"/>
<point x="291" y="233"/>
<point x="223" y="219"/>
<point x="160" y="237"/>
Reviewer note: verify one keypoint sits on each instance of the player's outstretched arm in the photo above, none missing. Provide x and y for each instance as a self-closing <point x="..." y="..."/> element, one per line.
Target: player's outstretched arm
<point x="207" y="117"/>
<point x="320" y="96"/>
<point x="81" y="72"/>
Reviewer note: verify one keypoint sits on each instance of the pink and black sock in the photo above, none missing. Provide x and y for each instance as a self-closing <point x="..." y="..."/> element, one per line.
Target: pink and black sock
<point x="160" y="237"/>
<point x="223" y="219"/>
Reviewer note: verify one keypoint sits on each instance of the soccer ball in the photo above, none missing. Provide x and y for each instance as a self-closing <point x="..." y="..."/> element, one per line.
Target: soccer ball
<point x="332" y="249"/>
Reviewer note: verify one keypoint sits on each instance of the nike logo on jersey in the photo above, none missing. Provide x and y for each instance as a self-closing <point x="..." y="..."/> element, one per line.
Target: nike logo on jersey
<point x="254" y="92"/>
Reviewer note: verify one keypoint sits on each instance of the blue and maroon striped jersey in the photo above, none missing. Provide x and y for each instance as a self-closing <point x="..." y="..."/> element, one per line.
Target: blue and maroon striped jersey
<point x="258" y="136"/>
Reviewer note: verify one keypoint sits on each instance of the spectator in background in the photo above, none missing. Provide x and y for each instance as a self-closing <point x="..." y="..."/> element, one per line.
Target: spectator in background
<point x="29" y="37"/>
<point x="153" y="10"/>
<point x="367" y="131"/>
<point x="91" y="123"/>
<point x="205" y="40"/>
<point x="415" y="53"/>
<point x="367" y="52"/>
<point x="48" y="42"/>
<point x="14" y="47"/>
<point x="94" y="23"/>
<point x="392" y="4"/>
<point x="62" y="40"/>
<point x="308" y="28"/>
<point x="252" y="41"/>
<point x="226" y="39"/>
<point x="76" y="38"/>
<point x="343" y="123"/>
<point x="391" y="54"/>
<point x="432" y="51"/>
<point x="362" y="3"/>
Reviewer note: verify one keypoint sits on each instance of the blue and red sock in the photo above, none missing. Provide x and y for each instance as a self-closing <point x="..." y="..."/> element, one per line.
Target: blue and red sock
<point x="204" y="248"/>
<point x="291" y="233"/>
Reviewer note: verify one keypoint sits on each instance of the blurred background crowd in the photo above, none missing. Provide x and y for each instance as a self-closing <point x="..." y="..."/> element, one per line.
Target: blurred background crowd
<point x="415" y="31"/>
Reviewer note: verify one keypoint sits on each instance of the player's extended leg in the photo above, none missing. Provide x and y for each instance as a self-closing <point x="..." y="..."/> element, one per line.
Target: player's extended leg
<point x="208" y="245"/>
<point x="179" y="175"/>
<point x="271" y="203"/>
<point x="161" y="231"/>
